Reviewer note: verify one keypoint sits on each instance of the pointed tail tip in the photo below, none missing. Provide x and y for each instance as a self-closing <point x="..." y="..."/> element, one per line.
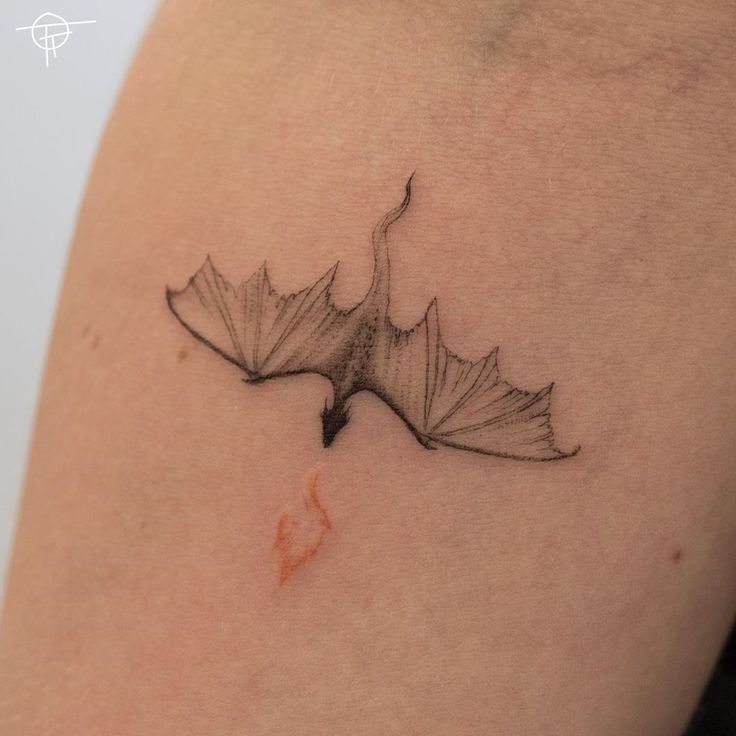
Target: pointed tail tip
<point x="407" y="196"/>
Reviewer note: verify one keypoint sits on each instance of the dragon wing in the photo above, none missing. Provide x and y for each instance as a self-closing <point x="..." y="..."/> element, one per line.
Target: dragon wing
<point x="460" y="403"/>
<point x="264" y="333"/>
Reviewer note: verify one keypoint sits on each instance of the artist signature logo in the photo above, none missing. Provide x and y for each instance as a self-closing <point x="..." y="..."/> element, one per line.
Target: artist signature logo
<point x="50" y="32"/>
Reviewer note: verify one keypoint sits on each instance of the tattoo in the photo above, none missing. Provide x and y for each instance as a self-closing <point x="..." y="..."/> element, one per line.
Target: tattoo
<point x="300" y="532"/>
<point x="442" y="398"/>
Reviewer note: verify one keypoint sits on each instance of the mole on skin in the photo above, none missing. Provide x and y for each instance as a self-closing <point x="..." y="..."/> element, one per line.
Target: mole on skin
<point x="300" y="532"/>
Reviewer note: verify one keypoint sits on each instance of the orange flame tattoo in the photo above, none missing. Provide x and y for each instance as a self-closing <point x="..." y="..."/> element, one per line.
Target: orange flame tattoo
<point x="300" y="533"/>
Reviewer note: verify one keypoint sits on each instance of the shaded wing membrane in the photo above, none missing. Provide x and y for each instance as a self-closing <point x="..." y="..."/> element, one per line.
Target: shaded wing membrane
<point x="263" y="332"/>
<point x="461" y="403"/>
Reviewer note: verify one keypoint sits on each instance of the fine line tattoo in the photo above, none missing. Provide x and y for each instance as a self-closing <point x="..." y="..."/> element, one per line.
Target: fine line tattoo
<point x="442" y="398"/>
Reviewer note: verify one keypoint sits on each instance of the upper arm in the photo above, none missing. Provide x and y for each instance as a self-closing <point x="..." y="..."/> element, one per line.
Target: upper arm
<point x="571" y="205"/>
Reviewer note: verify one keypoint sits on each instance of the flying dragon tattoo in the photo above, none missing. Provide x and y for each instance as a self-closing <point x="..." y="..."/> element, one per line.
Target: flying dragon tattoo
<point x="442" y="398"/>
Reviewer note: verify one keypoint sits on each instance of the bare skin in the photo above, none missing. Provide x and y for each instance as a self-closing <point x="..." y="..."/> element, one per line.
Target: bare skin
<point x="573" y="203"/>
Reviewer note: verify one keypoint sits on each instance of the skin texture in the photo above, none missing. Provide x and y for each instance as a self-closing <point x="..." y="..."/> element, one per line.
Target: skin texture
<point x="574" y="203"/>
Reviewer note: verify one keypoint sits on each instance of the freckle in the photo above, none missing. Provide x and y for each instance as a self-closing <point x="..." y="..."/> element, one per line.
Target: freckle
<point x="181" y="356"/>
<point x="95" y="342"/>
<point x="677" y="556"/>
<point x="86" y="330"/>
<point x="300" y="533"/>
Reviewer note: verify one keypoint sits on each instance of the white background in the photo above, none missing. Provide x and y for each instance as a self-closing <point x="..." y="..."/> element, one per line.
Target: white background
<point x="50" y="123"/>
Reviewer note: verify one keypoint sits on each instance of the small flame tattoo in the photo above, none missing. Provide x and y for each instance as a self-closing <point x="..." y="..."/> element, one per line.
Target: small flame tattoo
<point x="300" y="533"/>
